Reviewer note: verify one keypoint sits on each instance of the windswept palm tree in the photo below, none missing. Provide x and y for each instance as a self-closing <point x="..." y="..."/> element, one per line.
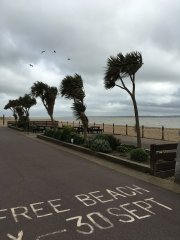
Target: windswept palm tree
<point x="12" y="105"/>
<point x="72" y="88"/>
<point x="26" y="102"/>
<point x="120" y="67"/>
<point x="47" y="95"/>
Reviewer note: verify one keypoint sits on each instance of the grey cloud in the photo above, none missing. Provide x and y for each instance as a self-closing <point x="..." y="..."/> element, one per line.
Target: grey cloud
<point x="89" y="32"/>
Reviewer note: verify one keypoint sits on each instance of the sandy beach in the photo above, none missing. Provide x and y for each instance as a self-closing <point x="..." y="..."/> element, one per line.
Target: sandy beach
<point x="170" y="134"/>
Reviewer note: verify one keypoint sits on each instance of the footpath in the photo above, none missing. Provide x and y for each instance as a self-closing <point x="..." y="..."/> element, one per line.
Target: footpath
<point x="146" y="142"/>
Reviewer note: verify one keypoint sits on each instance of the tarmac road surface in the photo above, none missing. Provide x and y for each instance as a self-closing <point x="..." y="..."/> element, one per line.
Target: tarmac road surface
<point x="50" y="194"/>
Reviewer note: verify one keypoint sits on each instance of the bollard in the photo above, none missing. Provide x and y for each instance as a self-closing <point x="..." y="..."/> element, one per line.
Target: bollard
<point x="142" y="131"/>
<point x="126" y="129"/>
<point x="162" y="132"/>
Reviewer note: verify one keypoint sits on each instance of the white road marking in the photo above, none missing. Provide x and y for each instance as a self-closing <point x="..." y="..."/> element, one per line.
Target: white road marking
<point x="19" y="237"/>
<point x="50" y="234"/>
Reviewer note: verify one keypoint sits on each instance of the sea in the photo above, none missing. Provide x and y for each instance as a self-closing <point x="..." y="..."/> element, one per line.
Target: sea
<point x="147" y="121"/>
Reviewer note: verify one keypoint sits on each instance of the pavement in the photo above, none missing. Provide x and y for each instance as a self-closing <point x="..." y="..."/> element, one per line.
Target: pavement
<point x="146" y="142"/>
<point x="49" y="192"/>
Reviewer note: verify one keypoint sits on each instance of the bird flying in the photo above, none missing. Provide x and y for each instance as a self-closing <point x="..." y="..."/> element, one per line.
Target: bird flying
<point x="68" y="59"/>
<point x="30" y="65"/>
<point x="54" y="51"/>
<point x="43" y="51"/>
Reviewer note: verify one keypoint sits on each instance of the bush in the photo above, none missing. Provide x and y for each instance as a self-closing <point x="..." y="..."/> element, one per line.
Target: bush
<point x="66" y="133"/>
<point x="49" y="133"/>
<point x="100" y="145"/>
<point x="57" y="134"/>
<point x="113" y="141"/>
<point x="77" y="139"/>
<point x="138" y="155"/>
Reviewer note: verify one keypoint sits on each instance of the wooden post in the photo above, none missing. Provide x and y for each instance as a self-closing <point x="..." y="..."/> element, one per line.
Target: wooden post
<point x="3" y="119"/>
<point x="162" y="132"/>
<point x="79" y="124"/>
<point x="94" y="124"/>
<point x="113" y="128"/>
<point x="142" y="131"/>
<point x="73" y="123"/>
<point x="126" y="129"/>
<point x="103" y="127"/>
<point x="67" y="123"/>
<point x="153" y="158"/>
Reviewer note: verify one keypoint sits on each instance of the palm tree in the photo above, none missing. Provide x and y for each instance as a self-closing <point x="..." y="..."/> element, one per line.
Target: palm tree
<point x="12" y="105"/>
<point x="120" y="67"/>
<point x="72" y="88"/>
<point x="47" y="95"/>
<point x="26" y="102"/>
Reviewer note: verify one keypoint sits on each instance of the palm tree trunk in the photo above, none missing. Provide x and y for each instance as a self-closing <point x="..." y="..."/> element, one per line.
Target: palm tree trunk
<point x="137" y="122"/>
<point x="52" y="120"/>
<point x="84" y="120"/>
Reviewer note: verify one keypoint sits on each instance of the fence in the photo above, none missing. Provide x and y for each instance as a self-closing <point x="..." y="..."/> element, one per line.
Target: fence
<point x="163" y="159"/>
<point x="162" y="133"/>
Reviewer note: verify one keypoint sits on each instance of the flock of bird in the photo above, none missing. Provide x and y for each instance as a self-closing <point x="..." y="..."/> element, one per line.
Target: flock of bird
<point x="43" y="51"/>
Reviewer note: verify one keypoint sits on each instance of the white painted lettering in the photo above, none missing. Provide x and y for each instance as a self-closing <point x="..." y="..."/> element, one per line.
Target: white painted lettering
<point x="138" y="189"/>
<point x="56" y="206"/>
<point x="19" y="237"/>
<point x="115" y="194"/>
<point x="98" y="197"/>
<point x="144" y="205"/>
<point x="36" y="210"/>
<point x="132" y="212"/>
<point x="23" y="212"/>
<point x="86" y="226"/>
<point x="124" y="191"/>
<point x="101" y="217"/>
<point x="2" y="210"/>
<point x="160" y="204"/>
<point x="86" y="200"/>
<point x="123" y="217"/>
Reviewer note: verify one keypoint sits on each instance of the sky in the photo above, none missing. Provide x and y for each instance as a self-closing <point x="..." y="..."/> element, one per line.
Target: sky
<point x="89" y="32"/>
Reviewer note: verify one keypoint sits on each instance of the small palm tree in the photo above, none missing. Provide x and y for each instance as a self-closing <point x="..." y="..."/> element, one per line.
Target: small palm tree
<point x="120" y="67"/>
<point x="47" y="95"/>
<point x="72" y="88"/>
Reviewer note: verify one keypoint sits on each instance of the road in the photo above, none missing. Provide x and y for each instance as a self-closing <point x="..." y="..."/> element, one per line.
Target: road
<point x="47" y="193"/>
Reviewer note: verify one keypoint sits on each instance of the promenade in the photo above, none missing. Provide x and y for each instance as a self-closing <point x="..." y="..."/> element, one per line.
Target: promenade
<point x="146" y="142"/>
<point x="51" y="193"/>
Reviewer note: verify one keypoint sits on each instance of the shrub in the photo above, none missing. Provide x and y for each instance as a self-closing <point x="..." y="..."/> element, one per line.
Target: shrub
<point x="66" y="133"/>
<point x="113" y="141"/>
<point x="49" y="132"/>
<point x="77" y="139"/>
<point x="100" y="145"/>
<point x="138" y="155"/>
<point x="123" y="148"/>
<point x="57" y="134"/>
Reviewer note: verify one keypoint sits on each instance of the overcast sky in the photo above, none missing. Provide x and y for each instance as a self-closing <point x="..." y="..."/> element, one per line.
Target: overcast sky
<point x="88" y="32"/>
